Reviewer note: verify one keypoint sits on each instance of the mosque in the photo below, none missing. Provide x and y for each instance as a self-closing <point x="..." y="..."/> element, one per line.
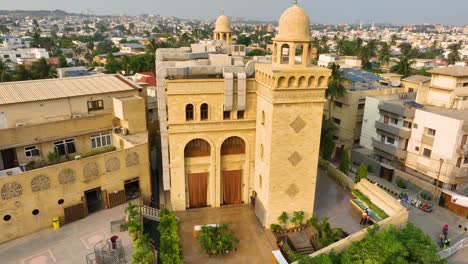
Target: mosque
<point x="234" y="127"/>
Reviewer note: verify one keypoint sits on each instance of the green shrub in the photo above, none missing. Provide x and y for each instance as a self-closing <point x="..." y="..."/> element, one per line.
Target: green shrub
<point x="53" y="157"/>
<point x="169" y="248"/>
<point x="276" y="228"/>
<point x="298" y="218"/>
<point x="372" y="206"/>
<point x="30" y="165"/>
<point x="218" y="240"/>
<point x="401" y="184"/>
<point x="283" y="219"/>
<point x="344" y="165"/>
<point x="142" y="249"/>
<point x="361" y="173"/>
<point x="97" y="151"/>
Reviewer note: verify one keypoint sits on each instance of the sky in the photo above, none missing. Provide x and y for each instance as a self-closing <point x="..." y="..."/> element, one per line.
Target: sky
<point x="451" y="12"/>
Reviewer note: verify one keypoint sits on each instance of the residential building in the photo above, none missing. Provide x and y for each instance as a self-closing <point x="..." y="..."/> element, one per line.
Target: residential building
<point x="326" y="60"/>
<point x="227" y="125"/>
<point x="18" y="55"/>
<point x="132" y="48"/>
<point x="415" y="83"/>
<point x="69" y="147"/>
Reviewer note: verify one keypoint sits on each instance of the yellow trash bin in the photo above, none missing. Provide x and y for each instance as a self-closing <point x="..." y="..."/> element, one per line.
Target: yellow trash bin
<point x="56" y="222"/>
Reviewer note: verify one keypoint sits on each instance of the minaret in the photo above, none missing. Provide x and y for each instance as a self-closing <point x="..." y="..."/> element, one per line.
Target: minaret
<point x="222" y="29"/>
<point x="290" y="99"/>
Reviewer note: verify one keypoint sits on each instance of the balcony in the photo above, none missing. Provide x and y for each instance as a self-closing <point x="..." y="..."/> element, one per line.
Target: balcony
<point x="397" y="109"/>
<point x="463" y="150"/>
<point x="390" y="149"/>
<point x="397" y="131"/>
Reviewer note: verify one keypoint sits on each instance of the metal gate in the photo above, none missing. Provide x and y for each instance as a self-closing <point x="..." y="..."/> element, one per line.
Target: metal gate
<point x="116" y="198"/>
<point x="74" y="212"/>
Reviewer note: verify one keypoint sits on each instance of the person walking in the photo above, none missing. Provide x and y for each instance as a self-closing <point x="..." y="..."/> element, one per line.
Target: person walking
<point x="363" y="218"/>
<point x="445" y="231"/>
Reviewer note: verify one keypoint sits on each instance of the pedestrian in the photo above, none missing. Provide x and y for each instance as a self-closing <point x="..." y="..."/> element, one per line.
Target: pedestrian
<point x="363" y="218"/>
<point x="445" y="231"/>
<point x="367" y="219"/>
<point x="441" y="240"/>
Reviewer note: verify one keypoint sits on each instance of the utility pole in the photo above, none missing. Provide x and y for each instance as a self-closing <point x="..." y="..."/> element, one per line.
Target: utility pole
<point x="441" y="160"/>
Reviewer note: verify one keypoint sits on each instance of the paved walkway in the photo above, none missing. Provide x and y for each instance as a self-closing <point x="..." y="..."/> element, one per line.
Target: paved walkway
<point x="254" y="245"/>
<point x="332" y="201"/>
<point x="69" y="244"/>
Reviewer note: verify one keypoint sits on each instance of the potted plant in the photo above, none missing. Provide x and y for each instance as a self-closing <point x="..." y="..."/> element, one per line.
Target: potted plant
<point x="283" y="219"/>
<point x="276" y="228"/>
<point x="219" y="240"/>
<point x="298" y="219"/>
<point x="401" y="184"/>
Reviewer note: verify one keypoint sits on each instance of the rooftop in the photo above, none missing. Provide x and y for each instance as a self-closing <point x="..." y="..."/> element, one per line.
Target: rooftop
<point x="455" y="71"/>
<point x="417" y="78"/>
<point x="38" y="90"/>
<point x="452" y="113"/>
<point x="360" y="76"/>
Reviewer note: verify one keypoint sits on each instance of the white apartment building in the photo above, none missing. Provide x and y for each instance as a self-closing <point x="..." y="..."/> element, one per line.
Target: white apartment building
<point x="17" y="55"/>
<point x="326" y="60"/>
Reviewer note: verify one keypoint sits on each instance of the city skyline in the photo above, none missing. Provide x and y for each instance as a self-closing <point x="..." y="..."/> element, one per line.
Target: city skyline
<point x="320" y="11"/>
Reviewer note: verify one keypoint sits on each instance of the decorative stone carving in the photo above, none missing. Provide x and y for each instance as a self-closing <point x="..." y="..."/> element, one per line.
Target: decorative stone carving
<point x="292" y="190"/>
<point x="132" y="159"/>
<point x="298" y="124"/>
<point x="112" y="164"/>
<point x="67" y="176"/>
<point x="295" y="158"/>
<point x="11" y="190"/>
<point x="91" y="171"/>
<point x="40" y="183"/>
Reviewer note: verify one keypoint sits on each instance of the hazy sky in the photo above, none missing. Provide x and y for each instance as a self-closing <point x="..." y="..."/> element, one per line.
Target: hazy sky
<point x="322" y="11"/>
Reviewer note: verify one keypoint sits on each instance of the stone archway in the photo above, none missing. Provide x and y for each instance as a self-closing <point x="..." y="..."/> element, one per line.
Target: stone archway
<point x="197" y="156"/>
<point x="233" y="157"/>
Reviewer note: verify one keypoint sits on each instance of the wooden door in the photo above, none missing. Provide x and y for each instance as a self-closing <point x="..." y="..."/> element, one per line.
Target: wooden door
<point x="459" y="210"/>
<point x="74" y="212"/>
<point x="232" y="186"/>
<point x="198" y="189"/>
<point x="116" y="198"/>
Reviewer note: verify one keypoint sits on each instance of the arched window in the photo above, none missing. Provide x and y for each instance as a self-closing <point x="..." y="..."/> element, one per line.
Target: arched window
<point x="189" y="112"/>
<point x="233" y="145"/>
<point x="285" y="54"/>
<point x="204" y="112"/>
<point x="299" y="53"/>
<point x="197" y="148"/>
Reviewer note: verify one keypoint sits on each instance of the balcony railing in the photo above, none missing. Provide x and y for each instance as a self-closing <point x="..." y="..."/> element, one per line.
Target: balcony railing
<point x="397" y="131"/>
<point x="396" y="109"/>
<point x="390" y="149"/>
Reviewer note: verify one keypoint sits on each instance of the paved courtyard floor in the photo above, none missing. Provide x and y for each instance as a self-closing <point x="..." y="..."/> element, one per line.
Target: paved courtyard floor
<point x="70" y="244"/>
<point x="255" y="245"/>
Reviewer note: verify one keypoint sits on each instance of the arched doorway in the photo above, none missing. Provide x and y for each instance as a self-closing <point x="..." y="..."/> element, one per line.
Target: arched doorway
<point x="232" y="163"/>
<point x="197" y="151"/>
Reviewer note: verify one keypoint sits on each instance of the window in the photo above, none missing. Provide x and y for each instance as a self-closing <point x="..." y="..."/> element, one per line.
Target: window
<point x="430" y="132"/>
<point x="427" y="152"/>
<point x="95" y="105"/>
<point x="65" y="147"/>
<point x="6" y="56"/>
<point x="407" y="124"/>
<point x="285" y="54"/>
<point x="101" y="140"/>
<point x="204" y="112"/>
<point x="385" y="119"/>
<point x="410" y="90"/>
<point x="459" y="160"/>
<point x="337" y="121"/>
<point x="415" y="126"/>
<point x="361" y="106"/>
<point x="18" y="55"/>
<point x="338" y="104"/>
<point x="465" y="161"/>
<point x="189" y="112"/>
<point x="382" y="138"/>
<point x="357" y="141"/>
<point x="416" y="148"/>
<point x="240" y="114"/>
<point x="390" y="140"/>
<point x="394" y="121"/>
<point x="227" y="115"/>
<point x="31" y="151"/>
<point x="464" y="98"/>
<point x="262" y="120"/>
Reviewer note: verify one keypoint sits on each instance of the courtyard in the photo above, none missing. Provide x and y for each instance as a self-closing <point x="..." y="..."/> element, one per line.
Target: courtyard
<point x="256" y="243"/>
<point x="68" y="245"/>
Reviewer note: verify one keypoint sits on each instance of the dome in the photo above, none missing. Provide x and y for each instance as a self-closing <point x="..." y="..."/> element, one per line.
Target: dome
<point x="223" y="24"/>
<point x="294" y="25"/>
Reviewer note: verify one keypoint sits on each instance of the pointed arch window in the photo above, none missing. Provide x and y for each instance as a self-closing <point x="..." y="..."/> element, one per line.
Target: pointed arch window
<point x="189" y="112"/>
<point x="285" y="54"/>
<point x="204" y="112"/>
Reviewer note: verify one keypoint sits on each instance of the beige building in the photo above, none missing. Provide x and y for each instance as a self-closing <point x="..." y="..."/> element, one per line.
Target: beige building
<point x="232" y="127"/>
<point x="69" y="147"/>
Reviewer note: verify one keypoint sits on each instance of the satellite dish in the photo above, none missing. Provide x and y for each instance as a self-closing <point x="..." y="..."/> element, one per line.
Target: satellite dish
<point x="395" y="83"/>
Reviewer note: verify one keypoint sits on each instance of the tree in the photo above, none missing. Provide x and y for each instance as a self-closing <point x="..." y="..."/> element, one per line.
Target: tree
<point x="335" y="90"/>
<point x="361" y="173"/>
<point x="326" y="235"/>
<point x="344" y="165"/>
<point x="403" y="66"/>
<point x="384" y="54"/>
<point x="169" y="249"/>
<point x="62" y="63"/>
<point x="42" y="70"/>
<point x="258" y="52"/>
<point x="405" y="48"/>
<point x="328" y="146"/>
<point x="340" y="46"/>
<point x="21" y="73"/>
<point x="5" y="72"/>
<point x="142" y="250"/>
<point x="4" y="30"/>
<point x="454" y="54"/>
<point x="393" y="40"/>
<point x="243" y="40"/>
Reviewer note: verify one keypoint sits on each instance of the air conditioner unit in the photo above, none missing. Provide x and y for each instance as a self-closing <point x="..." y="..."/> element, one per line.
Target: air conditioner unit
<point x="20" y="124"/>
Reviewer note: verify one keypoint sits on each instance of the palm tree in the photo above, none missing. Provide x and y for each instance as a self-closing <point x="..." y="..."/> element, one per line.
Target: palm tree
<point x="5" y="72"/>
<point x="403" y="66"/>
<point x="340" y="45"/>
<point x="335" y="90"/>
<point x="42" y="70"/>
<point x="326" y="235"/>
<point x="384" y="53"/>
<point x="454" y="54"/>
